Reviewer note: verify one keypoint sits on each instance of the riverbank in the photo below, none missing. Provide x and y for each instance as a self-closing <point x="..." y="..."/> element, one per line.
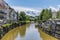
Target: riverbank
<point x="45" y="32"/>
<point x="25" y="30"/>
<point x="46" y="36"/>
<point x="7" y="27"/>
<point x="51" y="27"/>
<point x="11" y="35"/>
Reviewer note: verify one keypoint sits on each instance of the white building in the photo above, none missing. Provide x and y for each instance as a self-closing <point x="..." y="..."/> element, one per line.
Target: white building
<point x="6" y="12"/>
<point x="54" y="14"/>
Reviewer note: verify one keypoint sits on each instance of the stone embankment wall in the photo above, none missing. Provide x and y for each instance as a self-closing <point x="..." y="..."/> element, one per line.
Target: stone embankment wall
<point x="8" y="27"/>
<point x="51" y="28"/>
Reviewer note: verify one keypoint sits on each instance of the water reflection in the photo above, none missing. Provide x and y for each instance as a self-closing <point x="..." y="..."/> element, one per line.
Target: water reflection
<point x="22" y="31"/>
<point x="45" y="36"/>
<point x="25" y="32"/>
<point x="31" y="33"/>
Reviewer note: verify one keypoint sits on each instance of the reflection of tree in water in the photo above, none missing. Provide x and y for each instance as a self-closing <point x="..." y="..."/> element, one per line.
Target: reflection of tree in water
<point x="28" y="25"/>
<point x="22" y="30"/>
<point x="16" y="32"/>
<point x="39" y="31"/>
<point x="45" y="36"/>
<point x="41" y="35"/>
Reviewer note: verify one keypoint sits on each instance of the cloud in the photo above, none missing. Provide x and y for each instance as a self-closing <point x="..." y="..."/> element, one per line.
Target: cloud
<point x="18" y="8"/>
<point x="53" y="8"/>
<point x="59" y="6"/>
<point x="33" y="12"/>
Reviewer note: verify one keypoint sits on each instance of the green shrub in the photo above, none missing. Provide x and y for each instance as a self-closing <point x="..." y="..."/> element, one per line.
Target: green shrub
<point x="6" y="25"/>
<point x="0" y="27"/>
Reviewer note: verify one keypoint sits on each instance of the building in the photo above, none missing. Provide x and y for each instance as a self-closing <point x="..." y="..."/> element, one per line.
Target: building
<point x="54" y="14"/>
<point x="6" y="12"/>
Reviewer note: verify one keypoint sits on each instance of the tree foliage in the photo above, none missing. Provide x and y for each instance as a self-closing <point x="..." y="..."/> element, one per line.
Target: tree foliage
<point x="22" y="16"/>
<point x="58" y="14"/>
<point x="45" y="14"/>
<point x="27" y="17"/>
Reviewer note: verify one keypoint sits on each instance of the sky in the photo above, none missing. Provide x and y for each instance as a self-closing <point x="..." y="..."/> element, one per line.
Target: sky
<point x="35" y="4"/>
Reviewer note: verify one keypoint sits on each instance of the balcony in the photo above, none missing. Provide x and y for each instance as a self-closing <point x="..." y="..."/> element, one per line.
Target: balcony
<point x="1" y="12"/>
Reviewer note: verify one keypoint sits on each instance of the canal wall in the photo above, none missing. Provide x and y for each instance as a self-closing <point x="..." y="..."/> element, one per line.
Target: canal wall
<point x="51" y="28"/>
<point x="7" y="27"/>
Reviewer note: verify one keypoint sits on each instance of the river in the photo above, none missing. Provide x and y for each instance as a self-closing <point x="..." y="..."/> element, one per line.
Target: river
<point x="27" y="32"/>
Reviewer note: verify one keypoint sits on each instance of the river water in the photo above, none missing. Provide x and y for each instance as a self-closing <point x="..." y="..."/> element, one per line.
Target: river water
<point x="27" y="32"/>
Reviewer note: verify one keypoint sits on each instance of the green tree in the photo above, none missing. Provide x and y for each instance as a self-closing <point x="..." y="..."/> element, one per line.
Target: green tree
<point x="22" y="16"/>
<point x="58" y="15"/>
<point x="45" y="15"/>
<point x="27" y="18"/>
<point x="41" y="14"/>
<point x="50" y="13"/>
<point x="36" y="18"/>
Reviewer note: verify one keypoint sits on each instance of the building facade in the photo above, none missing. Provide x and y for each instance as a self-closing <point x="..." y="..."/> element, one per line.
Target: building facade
<point x="6" y="12"/>
<point x="54" y="14"/>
